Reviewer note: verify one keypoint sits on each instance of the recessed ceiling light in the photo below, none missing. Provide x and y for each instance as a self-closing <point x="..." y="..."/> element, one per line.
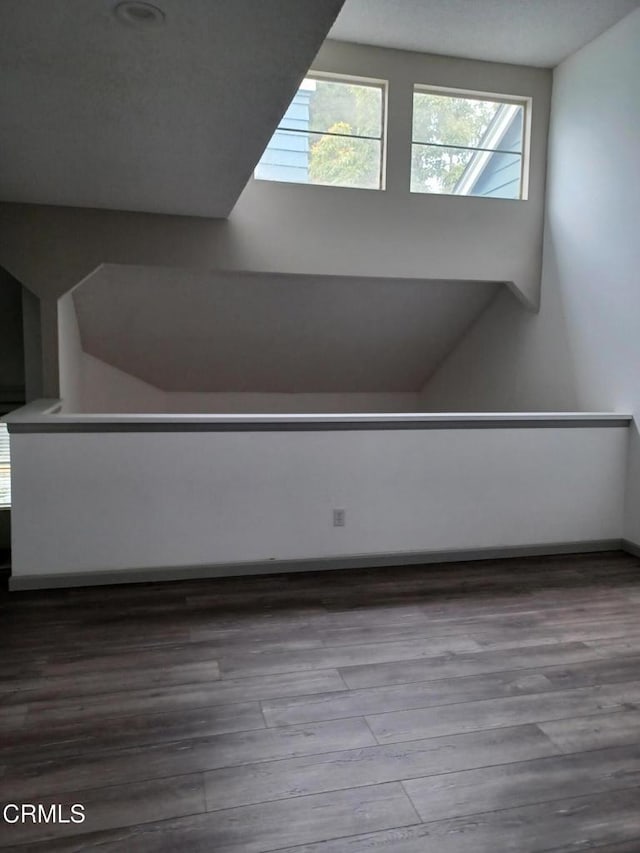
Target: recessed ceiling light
<point x="138" y="14"/>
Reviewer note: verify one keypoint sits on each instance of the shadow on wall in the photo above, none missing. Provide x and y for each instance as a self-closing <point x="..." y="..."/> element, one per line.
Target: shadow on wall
<point x="20" y="369"/>
<point x="151" y="339"/>
<point x="512" y="360"/>
<point x="20" y="344"/>
<point x="5" y="535"/>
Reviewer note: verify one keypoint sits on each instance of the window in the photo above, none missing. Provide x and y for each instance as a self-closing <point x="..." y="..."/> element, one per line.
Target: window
<point x="332" y="134"/>
<point x="468" y="144"/>
<point x="5" y="471"/>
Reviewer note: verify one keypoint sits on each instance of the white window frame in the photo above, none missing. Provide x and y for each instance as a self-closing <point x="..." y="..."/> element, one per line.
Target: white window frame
<point x="347" y="79"/>
<point x="526" y="102"/>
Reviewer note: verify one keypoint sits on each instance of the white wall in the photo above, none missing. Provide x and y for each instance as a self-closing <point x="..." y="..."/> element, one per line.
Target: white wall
<point x="70" y="355"/>
<point x="95" y="387"/>
<point x="510" y="361"/>
<point x="107" y="389"/>
<point x="168" y="499"/>
<point x="91" y="386"/>
<point x="184" y="402"/>
<point x="583" y="350"/>
<point x="632" y="502"/>
<point x="312" y="230"/>
<point x="88" y="384"/>
<point x="594" y="211"/>
<point x="295" y="228"/>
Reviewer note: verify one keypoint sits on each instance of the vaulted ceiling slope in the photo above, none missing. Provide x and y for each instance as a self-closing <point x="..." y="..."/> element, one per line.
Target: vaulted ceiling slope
<point x="524" y="32"/>
<point x="168" y="116"/>
<point x="183" y="330"/>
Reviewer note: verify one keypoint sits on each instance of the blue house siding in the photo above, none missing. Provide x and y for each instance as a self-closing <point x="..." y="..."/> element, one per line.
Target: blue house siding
<point x="501" y="176"/>
<point x="287" y="155"/>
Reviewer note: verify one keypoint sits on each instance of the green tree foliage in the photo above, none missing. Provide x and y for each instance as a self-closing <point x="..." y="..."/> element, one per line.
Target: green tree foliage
<point x="343" y="160"/>
<point x="356" y="110"/>
<point x="347" y="111"/>
<point x="445" y="121"/>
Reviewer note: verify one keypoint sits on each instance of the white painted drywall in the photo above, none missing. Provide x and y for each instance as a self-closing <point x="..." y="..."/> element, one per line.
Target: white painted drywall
<point x="166" y="118"/>
<point x="191" y="330"/>
<point x="594" y="212"/>
<point x="541" y="33"/>
<point x="185" y="402"/>
<point x="91" y="386"/>
<point x="168" y="499"/>
<point x="632" y="498"/>
<point x="70" y="355"/>
<point x="509" y="361"/>
<point x="107" y="389"/>
<point x="407" y="327"/>
<point x="312" y="230"/>
<point x="94" y="387"/>
<point x="296" y="228"/>
<point x="104" y="389"/>
<point x="87" y="384"/>
<point x="583" y="350"/>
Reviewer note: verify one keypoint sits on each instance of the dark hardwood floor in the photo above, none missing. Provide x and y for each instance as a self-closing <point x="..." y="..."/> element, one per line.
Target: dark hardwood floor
<point x="490" y="707"/>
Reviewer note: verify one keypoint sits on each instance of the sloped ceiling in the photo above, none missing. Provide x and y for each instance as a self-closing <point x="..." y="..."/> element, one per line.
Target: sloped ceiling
<point x="182" y="330"/>
<point x="165" y="119"/>
<point x="524" y="32"/>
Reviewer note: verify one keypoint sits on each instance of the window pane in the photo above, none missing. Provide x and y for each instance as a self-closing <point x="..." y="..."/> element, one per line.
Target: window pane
<point x="448" y="120"/>
<point x="512" y="139"/>
<point x="331" y="134"/>
<point x="317" y="158"/>
<point x="451" y="121"/>
<point x="344" y="162"/>
<point x="466" y="146"/>
<point x="456" y="171"/>
<point x="500" y="178"/>
<point x="345" y="108"/>
<point x="437" y="170"/>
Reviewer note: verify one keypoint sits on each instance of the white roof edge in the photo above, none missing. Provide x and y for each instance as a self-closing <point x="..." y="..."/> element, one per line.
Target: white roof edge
<point x="478" y="162"/>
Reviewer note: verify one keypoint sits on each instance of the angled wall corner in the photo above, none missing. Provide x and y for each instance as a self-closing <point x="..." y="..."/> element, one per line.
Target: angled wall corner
<point x="88" y="385"/>
<point x="305" y="230"/>
<point x="322" y="229"/>
<point x="208" y="340"/>
<point x="580" y="352"/>
<point x="70" y="354"/>
<point x="528" y="292"/>
<point x="168" y="121"/>
<point x="511" y="359"/>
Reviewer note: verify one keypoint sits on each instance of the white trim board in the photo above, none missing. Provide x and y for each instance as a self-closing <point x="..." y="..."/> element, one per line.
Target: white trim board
<point x="358" y="561"/>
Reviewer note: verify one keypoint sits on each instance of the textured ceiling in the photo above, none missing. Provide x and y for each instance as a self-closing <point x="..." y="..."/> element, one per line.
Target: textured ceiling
<point x="182" y="330"/>
<point x="164" y="119"/>
<point x="525" y="32"/>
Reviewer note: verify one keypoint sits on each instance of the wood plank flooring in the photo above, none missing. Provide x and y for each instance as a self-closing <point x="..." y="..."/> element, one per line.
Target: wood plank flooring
<point x="491" y="707"/>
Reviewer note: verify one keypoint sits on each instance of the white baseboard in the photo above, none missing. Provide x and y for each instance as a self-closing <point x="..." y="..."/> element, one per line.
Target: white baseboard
<point x="631" y="547"/>
<point x="217" y="570"/>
